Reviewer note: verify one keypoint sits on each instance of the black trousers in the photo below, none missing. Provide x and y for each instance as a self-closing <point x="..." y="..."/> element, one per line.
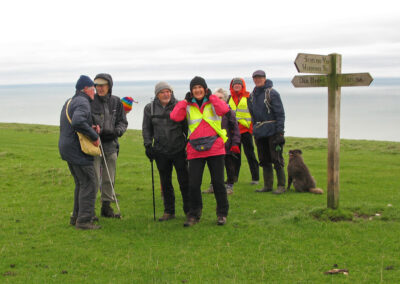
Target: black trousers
<point x="248" y="146"/>
<point x="196" y="169"/>
<point x="85" y="192"/>
<point x="165" y="164"/>
<point x="267" y="154"/>
<point x="230" y="166"/>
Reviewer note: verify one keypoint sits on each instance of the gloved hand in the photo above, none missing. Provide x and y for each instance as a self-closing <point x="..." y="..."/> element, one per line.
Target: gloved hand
<point x="188" y="97"/>
<point x="150" y="152"/>
<point x="208" y="94"/>
<point x="235" y="149"/>
<point x="278" y="139"/>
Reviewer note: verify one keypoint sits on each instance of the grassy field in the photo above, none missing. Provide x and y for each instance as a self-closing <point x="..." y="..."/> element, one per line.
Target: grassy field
<point x="268" y="238"/>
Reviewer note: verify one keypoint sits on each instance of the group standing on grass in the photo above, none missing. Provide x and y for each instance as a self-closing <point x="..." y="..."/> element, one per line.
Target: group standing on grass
<point x="204" y="128"/>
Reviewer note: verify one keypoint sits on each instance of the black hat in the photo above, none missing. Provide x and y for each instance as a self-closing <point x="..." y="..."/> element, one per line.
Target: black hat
<point x="83" y="81"/>
<point x="259" y="73"/>
<point x="198" y="81"/>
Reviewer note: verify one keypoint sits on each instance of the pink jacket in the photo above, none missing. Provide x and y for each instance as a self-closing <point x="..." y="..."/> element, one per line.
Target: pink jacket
<point x="204" y="129"/>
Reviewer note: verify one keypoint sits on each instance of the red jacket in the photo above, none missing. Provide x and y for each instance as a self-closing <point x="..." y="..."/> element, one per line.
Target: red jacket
<point x="237" y="96"/>
<point x="204" y="129"/>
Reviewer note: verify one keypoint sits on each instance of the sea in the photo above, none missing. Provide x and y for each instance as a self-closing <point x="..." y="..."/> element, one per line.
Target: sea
<point x="367" y="113"/>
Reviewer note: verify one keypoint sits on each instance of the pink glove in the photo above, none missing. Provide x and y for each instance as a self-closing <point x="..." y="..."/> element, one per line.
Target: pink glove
<point x="235" y="149"/>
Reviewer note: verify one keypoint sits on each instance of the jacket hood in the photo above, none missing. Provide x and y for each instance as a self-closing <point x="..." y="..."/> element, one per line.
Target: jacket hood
<point x="268" y="84"/>
<point x="106" y="77"/>
<point x="242" y="92"/>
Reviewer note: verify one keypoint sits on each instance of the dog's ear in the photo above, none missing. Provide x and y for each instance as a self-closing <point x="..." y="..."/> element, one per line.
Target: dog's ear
<point x="300" y="151"/>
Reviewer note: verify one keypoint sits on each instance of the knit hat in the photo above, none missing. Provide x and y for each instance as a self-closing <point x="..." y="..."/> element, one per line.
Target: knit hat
<point x="83" y="81"/>
<point x="127" y="103"/>
<point x="161" y="86"/>
<point x="237" y="81"/>
<point x="259" y="73"/>
<point x="198" y="81"/>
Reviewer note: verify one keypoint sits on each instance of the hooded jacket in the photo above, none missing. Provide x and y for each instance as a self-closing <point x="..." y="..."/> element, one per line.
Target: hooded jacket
<point x="236" y="97"/>
<point x="204" y="129"/>
<point x="108" y="112"/>
<point x="270" y="120"/>
<point x="165" y="135"/>
<point x="81" y="121"/>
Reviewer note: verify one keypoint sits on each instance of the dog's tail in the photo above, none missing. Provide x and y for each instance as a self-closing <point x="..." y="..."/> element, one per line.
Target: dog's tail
<point x="316" y="190"/>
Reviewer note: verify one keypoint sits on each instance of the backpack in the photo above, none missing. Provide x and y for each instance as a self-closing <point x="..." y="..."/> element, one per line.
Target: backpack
<point x="267" y="100"/>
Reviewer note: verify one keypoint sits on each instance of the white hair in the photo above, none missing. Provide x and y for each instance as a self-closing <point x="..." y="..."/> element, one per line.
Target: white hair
<point x="222" y="91"/>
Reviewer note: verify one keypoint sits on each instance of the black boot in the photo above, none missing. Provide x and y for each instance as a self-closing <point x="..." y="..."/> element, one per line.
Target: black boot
<point x="268" y="175"/>
<point x="280" y="174"/>
<point x="106" y="210"/>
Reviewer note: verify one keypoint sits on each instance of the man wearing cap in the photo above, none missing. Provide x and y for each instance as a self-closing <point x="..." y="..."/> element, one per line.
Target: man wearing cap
<point x="165" y="141"/>
<point x="268" y="117"/>
<point x="109" y="116"/>
<point x="238" y="103"/>
<point x="80" y="164"/>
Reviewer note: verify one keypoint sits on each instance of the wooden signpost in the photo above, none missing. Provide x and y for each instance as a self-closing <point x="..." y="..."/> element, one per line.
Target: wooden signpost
<point x="331" y="66"/>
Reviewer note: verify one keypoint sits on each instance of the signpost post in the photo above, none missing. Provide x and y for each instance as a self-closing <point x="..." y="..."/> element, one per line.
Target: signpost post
<point x="331" y="66"/>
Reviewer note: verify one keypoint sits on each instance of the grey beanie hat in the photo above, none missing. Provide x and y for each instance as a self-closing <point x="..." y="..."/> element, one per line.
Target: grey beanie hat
<point x="237" y="81"/>
<point x="161" y="86"/>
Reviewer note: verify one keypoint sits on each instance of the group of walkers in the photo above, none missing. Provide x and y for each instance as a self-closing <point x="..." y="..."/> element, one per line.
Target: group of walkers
<point x="204" y="128"/>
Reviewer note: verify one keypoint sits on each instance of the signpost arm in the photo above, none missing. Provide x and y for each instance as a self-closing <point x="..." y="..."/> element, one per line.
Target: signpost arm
<point x="334" y="131"/>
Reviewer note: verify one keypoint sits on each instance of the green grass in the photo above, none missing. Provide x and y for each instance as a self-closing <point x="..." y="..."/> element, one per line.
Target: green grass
<point x="268" y="238"/>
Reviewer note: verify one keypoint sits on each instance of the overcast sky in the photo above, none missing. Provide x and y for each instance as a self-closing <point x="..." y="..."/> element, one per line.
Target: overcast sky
<point x="56" y="41"/>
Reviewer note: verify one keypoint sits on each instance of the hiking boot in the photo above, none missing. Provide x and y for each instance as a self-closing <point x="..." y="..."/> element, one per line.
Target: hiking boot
<point x="279" y="190"/>
<point x="209" y="190"/>
<point x="87" y="226"/>
<point x="166" y="217"/>
<point x="263" y="190"/>
<point x="107" y="211"/>
<point x="229" y="189"/>
<point x="254" y="182"/>
<point x="221" y="220"/>
<point x="72" y="220"/>
<point x="190" y="221"/>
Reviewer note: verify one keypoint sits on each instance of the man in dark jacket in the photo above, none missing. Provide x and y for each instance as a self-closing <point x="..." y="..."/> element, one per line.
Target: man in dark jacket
<point x="165" y="141"/>
<point x="80" y="164"/>
<point x="108" y="115"/>
<point x="268" y="117"/>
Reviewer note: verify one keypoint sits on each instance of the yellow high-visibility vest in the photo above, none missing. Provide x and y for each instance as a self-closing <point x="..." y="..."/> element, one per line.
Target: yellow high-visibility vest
<point x="243" y="115"/>
<point x="194" y="117"/>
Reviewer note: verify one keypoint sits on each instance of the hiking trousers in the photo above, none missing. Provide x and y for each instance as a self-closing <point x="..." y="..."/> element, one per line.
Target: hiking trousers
<point x="196" y="169"/>
<point x="85" y="192"/>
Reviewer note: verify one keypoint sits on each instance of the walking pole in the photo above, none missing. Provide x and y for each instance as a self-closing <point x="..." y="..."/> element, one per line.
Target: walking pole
<point x="111" y="182"/>
<point x="152" y="182"/>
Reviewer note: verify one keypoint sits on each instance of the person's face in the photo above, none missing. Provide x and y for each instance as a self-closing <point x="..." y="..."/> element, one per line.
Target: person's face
<point x="198" y="92"/>
<point x="102" y="90"/>
<point x="164" y="96"/>
<point x="89" y="91"/>
<point x="259" y="81"/>
<point x="237" y="87"/>
<point x="220" y="96"/>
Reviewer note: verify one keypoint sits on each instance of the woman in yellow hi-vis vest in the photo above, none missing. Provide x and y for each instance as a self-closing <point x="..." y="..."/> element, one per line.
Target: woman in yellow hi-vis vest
<point x="238" y="103"/>
<point x="203" y="112"/>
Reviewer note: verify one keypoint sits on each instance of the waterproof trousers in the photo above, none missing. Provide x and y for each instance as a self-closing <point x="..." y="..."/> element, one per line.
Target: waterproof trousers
<point x="165" y="164"/>
<point x="85" y="192"/>
<point x="248" y="146"/>
<point x="103" y="181"/>
<point x="196" y="169"/>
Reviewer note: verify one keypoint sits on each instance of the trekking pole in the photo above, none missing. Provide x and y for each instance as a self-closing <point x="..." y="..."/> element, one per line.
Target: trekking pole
<point x="109" y="177"/>
<point x="152" y="182"/>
